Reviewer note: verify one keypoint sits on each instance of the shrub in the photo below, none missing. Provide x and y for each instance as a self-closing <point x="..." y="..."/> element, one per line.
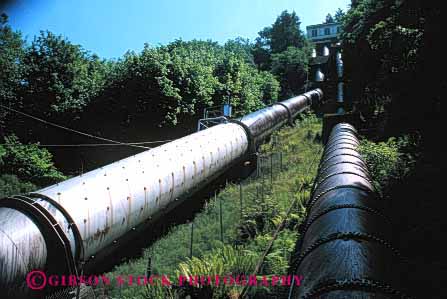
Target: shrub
<point x="221" y="261"/>
<point x="28" y="162"/>
<point x="10" y="185"/>
<point x="390" y="160"/>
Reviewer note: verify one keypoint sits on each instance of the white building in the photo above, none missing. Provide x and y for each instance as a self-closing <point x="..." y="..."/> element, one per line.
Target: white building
<point x="323" y="35"/>
<point x="320" y="32"/>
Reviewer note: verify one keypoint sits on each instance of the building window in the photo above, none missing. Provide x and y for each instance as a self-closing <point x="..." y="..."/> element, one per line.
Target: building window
<point x="338" y="29"/>
<point x="314" y="32"/>
<point x="327" y="31"/>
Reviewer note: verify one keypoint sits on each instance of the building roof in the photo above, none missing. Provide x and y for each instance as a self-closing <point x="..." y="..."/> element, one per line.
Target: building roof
<point x="323" y="25"/>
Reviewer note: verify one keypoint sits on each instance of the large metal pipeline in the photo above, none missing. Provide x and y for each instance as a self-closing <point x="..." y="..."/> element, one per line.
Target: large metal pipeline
<point x="60" y="227"/>
<point x="345" y="247"/>
<point x="262" y="123"/>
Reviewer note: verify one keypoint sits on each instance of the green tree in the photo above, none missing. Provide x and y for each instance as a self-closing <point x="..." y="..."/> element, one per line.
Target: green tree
<point x="284" y="33"/>
<point x="390" y="161"/>
<point x="173" y="83"/>
<point x="11" y="66"/>
<point x="242" y="47"/>
<point x="292" y="67"/>
<point x="61" y="78"/>
<point x="329" y="19"/>
<point x="339" y="14"/>
<point x="282" y="49"/>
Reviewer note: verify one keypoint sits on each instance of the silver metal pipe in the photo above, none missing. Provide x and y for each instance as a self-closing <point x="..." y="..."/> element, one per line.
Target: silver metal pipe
<point x="23" y="249"/>
<point x="108" y="202"/>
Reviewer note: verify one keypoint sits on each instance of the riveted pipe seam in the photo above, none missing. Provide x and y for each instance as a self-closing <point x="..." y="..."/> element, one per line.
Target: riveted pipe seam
<point x="319" y="195"/>
<point x="58" y="237"/>
<point x="79" y="250"/>
<point x="289" y="113"/>
<point x="358" y="163"/>
<point x="56" y="243"/>
<point x="364" y="284"/>
<point x="343" y="154"/>
<point x="342" y="147"/>
<point x="344" y="140"/>
<point x="344" y="236"/>
<point x="310" y="221"/>
<point x="363" y="176"/>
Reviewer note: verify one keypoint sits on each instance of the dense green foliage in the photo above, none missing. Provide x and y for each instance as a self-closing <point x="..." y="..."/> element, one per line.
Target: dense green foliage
<point x="60" y="78"/>
<point x="245" y="239"/>
<point x="339" y="14"/>
<point x="180" y="79"/>
<point x="28" y="162"/>
<point x="11" y="66"/>
<point x="12" y="185"/>
<point x="391" y="52"/>
<point x="391" y="160"/>
<point x="291" y="66"/>
<point x="223" y="259"/>
<point x="338" y="17"/>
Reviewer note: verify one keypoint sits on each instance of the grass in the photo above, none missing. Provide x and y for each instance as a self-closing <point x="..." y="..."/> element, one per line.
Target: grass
<point x="266" y="199"/>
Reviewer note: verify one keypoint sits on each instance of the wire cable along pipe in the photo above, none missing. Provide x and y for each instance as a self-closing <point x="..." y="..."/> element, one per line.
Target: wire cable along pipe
<point x="58" y="228"/>
<point x="345" y="247"/>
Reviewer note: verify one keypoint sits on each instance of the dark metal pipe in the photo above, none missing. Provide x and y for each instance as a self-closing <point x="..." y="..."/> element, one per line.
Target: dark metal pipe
<point x="345" y="247"/>
<point x="262" y="123"/>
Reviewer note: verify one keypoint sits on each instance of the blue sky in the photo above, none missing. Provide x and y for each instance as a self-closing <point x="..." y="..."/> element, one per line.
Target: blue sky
<point x="111" y="27"/>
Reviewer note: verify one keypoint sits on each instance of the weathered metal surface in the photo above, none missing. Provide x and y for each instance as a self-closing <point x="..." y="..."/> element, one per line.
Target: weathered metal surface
<point x="108" y="202"/>
<point x="339" y="64"/>
<point x="22" y="248"/>
<point x="297" y="104"/>
<point x="340" y="92"/>
<point x="263" y="122"/>
<point x="319" y="76"/>
<point x="346" y="246"/>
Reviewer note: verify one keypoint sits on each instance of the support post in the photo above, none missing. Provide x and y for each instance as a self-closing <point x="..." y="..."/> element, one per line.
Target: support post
<point x="280" y="161"/>
<point x="221" y="223"/>
<point x="192" y="239"/>
<point x="240" y="196"/>
<point x="149" y="267"/>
